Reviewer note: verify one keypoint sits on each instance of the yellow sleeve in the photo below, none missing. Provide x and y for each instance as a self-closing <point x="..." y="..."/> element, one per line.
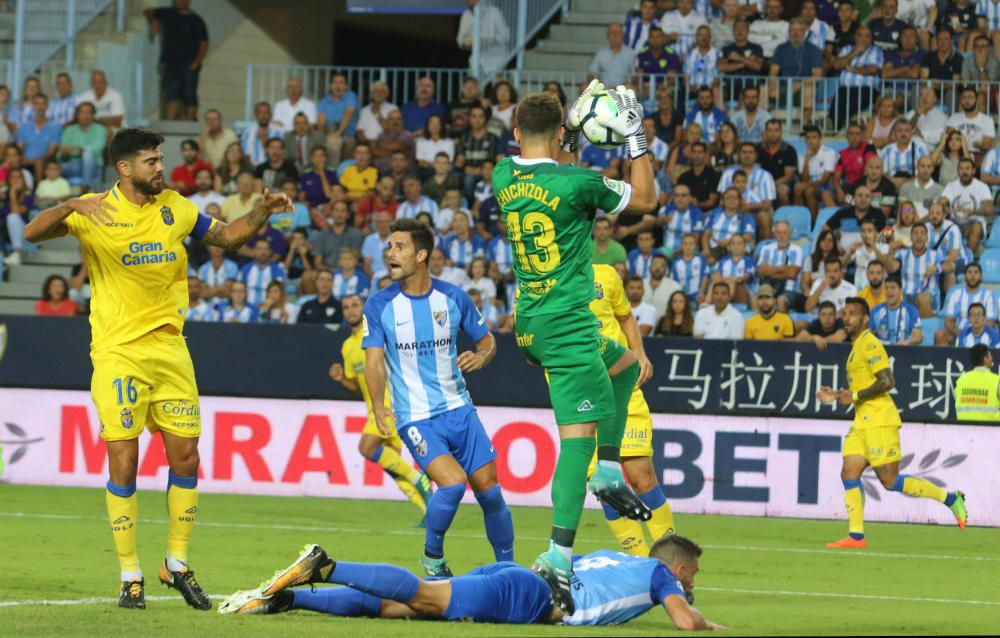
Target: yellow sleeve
<point x="616" y="294"/>
<point x="789" y="326"/>
<point x="75" y="224"/>
<point x="748" y="327"/>
<point x="876" y="358"/>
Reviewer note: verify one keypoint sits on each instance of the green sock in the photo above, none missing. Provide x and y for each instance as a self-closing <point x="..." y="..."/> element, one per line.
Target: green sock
<point x="610" y="431"/>
<point x="569" y="483"/>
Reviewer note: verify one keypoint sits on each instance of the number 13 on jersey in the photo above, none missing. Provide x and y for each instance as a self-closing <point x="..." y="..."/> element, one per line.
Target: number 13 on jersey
<point x="538" y="228"/>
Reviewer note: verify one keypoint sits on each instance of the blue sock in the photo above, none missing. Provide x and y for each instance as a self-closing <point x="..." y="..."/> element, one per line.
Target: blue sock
<point x="654" y="498"/>
<point x="610" y="513"/>
<point x="898" y="485"/>
<point x="441" y="510"/>
<point x="339" y="601"/>
<point x="378" y="454"/>
<point x="378" y="579"/>
<point x="498" y="522"/>
<point x="950" y="499"/>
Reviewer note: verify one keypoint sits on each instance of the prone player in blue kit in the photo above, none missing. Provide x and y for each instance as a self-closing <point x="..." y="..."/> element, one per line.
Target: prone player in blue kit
<point x="609" y="588"/>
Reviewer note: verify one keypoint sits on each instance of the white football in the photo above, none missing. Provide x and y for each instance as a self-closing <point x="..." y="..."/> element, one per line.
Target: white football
<point x="603" y="105"/>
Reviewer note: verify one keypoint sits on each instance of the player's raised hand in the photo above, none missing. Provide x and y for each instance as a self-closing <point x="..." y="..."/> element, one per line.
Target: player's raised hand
<point x="628" y="121"/>
<point x="470" y="361"/>
<point x="276" y="203"/>
<point x="580" y="106"/>
<point x="826" y="394"/>
<point x="337" y="372"/>
<point x="98" y="210"/>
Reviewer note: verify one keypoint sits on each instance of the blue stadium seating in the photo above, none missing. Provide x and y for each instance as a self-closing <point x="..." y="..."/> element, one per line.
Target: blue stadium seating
<point x="930" y="325"/>
<point x="993" y="241"/>
<point x="798" y="216"/>
<point x="798" y="144"/>
<point x="990" y="263"/>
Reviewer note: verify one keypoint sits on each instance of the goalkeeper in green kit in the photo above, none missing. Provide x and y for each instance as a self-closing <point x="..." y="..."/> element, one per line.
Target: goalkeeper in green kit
<point x="549" y="206"/>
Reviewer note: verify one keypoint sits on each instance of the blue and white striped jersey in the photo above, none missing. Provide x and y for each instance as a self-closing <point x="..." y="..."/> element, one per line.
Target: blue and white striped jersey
<point x="461" y="253"/>
<point x="872" y="57"/>
<point x="228" y="314"/>
<point x="725" y="226"/>
<point x="500" y="252"/>
<point x="202" y="312"/>
<point x="355" y="284"/>
<point x="409" y="210"/>
<point x="638" y="264"/>
<point x="913" y="270"/>
<point x="705" y="8"/>
<point x="793" y="255"/>
<point x="637" y="32"/>
<point x="989" y="9"/>
<point x="709" y="122"/>
<point x="253" y="147"/>
<point x="991" y="162"/>
<point x="690" y="272"/>
<point x="681" y="223"/>
<point x="257" y="278"/>
<point x="702" y="68"/>
<point x="892" y="325"/>
<point x="214" y="277"/>
<point x="895" y="161"/>
<point x="948" y="238"/>
<point x="989" y="337"/>
<point x="729" y="267"/>
<point x="62" y="109"/>
<point x="420" y="339"/>
<point x="820" y="34"/>
<point x="758" y="179"/>
<point x="959" y="298"/>
<point x="611" y="588"/>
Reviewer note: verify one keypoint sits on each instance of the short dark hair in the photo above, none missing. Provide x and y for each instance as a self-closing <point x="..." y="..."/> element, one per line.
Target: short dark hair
<point x="977" y="354"/>
<point x="720" y="283"/>
<point x="860" y="303"/>
<point x="875" y="262"/>
<point x="129" y="142"/>
<point x="539" y="114"/>
<point x="191" y="143"/>
<point x="973" y="264"/>
<point x="700" y="145"/>
<point x="967" y="160"/>
<point x="750" y="144"/>
<point x="893" y="279"/>
<point x="826" y="304"/>
<point x="976" y="304"/>
<point x="632" y="278"/>
<point x="811" y="128"/>
<point x="832" y="259"/>
<point x="670" y="549"/>
<point x="774" y="121"/>
<point x="273" y="140"/>
<point x="602" y="219"/>
<point x="420" y="234"/>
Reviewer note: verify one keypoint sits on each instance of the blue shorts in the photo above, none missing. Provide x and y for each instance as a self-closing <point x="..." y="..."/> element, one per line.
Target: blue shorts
<point x="500" y="593"/>
<point x="457" y="432"/>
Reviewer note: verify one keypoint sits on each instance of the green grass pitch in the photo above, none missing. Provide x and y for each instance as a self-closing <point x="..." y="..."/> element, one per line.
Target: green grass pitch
<point x="759" y="576"/>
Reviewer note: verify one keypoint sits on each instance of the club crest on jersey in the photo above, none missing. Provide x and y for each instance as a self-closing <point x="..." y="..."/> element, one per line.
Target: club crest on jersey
<point x="440" y="317"/>
<point x="167" y="215"/>
<point x="421" y="448"/>
<point x="126" y="415"/>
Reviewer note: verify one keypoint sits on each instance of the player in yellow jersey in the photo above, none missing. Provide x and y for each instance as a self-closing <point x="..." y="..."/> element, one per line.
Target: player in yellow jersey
<point x="874" y="436"/>
<point x="132" y="241"/>
<point x="375" y="446"/>
<point x="615" y="321"/>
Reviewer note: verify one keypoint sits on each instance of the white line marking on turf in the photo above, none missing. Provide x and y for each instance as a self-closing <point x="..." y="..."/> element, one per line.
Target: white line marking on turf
<point x="84" y="601"/>
<point x="420" y="532"/>
<point x="817" y="594"/>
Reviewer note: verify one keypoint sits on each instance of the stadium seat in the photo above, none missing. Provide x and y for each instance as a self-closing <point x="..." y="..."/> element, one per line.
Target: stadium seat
<point x="798" y="144"/>
<point x="930" y="325"/>
<point x="837" y="145"/>
<point x="990" y="263"/>
<point x="798" y="216"/>
<point x="821" y="217"/>
<point x="993" y="241"/>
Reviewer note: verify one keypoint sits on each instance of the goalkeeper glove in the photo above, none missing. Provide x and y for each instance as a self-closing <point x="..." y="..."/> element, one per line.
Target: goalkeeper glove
<point x="628" y="122"/>
<point x="571" y="128"/>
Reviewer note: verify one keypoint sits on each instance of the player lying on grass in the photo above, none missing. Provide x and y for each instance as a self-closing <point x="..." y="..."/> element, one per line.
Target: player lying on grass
<point x="609" y="588"/>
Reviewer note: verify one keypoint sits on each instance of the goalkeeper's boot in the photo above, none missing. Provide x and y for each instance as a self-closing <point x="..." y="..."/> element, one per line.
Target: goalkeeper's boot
<point x="437" y="567"/>
<point x="253" y="601"/>
<point x="184" y="582"/>
<point x="849" y="543"/>
<point x="132" y="594"/>
<point x="609" y="486"/>
<point x="958" y="509"/>
<point x="556" y="570"/>
<point x="312" y="566"/>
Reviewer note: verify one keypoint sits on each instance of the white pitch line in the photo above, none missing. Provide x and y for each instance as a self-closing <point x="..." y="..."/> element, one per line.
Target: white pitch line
<point x="83" y="601"/>
<point x="817" y="594"/>
<point x="420" y="532"/>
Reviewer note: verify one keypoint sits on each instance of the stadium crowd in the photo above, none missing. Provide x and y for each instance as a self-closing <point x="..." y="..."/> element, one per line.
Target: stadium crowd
<point x="761" y="232"/>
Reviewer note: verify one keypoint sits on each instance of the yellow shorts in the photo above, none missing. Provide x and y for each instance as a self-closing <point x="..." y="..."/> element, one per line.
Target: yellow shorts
<point x="879" y="446"/>
<point x="638" y="438"/>
<point x="392" y="440"/>
<point x="147" y="383"/>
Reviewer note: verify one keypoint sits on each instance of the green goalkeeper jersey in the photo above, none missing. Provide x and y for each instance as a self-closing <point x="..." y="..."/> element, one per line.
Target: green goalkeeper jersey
<point x="549" y="211"/>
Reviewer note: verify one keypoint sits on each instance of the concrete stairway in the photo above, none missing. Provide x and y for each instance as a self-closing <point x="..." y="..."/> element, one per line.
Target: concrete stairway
<point x="24" y="285"/>
<point x="572" y="43"/>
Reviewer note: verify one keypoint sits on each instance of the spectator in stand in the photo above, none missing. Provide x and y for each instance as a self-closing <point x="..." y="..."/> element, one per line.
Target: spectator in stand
<point x="904" y="63"/>
<point x="886" y="28"/>
<point x="750" y="121"/>
<point x="607" y="161"/>
<point x="826" y="247"/>
<point x="977" y="331"/>
<point x="859" y="66"/>
<point x="680" y="156"/>
<point x="391" y="141"/>
<point x="948" y="154"/>
<point x="741" y="58"/>
<point x="318" y="179"/>
<point x="719" y="320"/>
<point x="900" y="157"/>
<point x="896" y="322"/>
<point x="468" y="97"/>
<point x="681" y="26"/>
<point x="507" y="144"/>
<point x="327" y="244"/>
<point x="39" y="138"/>
<point x="238" y="310"/>
<point x="899" y="235"/>
<point x="348" y="279"/>
<point x="779" y="159"/>
<point x="324" y="308"/>
<point x="725" y="222"/>
<point x="660" y="286"/>
<point x="243" y="200"/>
<point x="678" y="321"/>
<point x="431" y="143"/>
<point x="478" y="279"/>
<point x="300" y="141"/>
<point x="227" y="172"/>
<point x="796" y="58"/>
<point x="62" y="107"/>
<point x="53" y="188"/>
<point x="214" y="138"/>
<point x="761" y="181"/>
<point x="413" y="200"/>
<point x="294" y="103"/>
<point x="216" y="275"/>
<point x="298" y="217"/>
<point x="960" y="19"/>
<point x="183" y="45"/>
<point x="12" y="163"/>
<point x="475" y="146"/>
<point x="669" y="120"/>
<point x="944" y="63"/>
<point x="929" y="120"/>
<point x="975" y="126"/>
<point x="374" y="245"/>
<point x="754" y="203"/>
<point x="847" y="220"/>
<point x="269" y="174"/>
<point x="55" y="301"/>
<point x="851" y="161"/>
<point x="919" y="268"/>
<point x="360" y="177"/>
<point x="644" y="313"/>
<point x="988" y="21"/>
<point x="485" y="208"/>
<point x="182" y="178"/>
<point x="300" y="262"/>
<point x="737" y="270"/>
<point x="462" y="245"/>
<point x="255" y="137"/>
<point x="873" y="291"/>
<point x="637" y="27"/>
<point x="439" y="269"/>
<point x="494" y="35"/>
<point x="198" y="308"/>
<point x="203" y="194"/>
<point x="25" y="111"/>
<point x="779" y="265"/>
<point x="722" y="28"/>
<point x="416" y="112"/>
<point x="845" y="26"/>
<point x="827" y="328"/>
<point x="657" y="63"/>
<point x="678" y="218"/>
<point x="399" y="169"/>
<point x="880" y="124"/>
<point x="380" y="200"/>
<point x="503" y="100"/>
<point x="958" y="302"/>
<point x="880" y="188"/>
<point x="922" y="190"/>
<point x="605" y="249"/>
<point x="706" y="114"/>
<point x="81" y="149"/>
<point x="16" y="202"/>
<point x="260" y="272"/>
<point x="372" y="116"/>
<point x="815" y="172"/>
<point x="971" y="203"/>
<point x="819" y="32"/>
<point x="443" y="179"/>
<point x="769" y="324"/>
<point x="701" y="178"/>
<point x="614" y="63"/>
<point x="701" y="68"/>
<point x="831" y="287"/>
<point x="274" y="308"/>
<point x="922" y="14"/>
<point x="990" y="168"/>
<point x="772" y="30"/>
<point x="640" y="257"/>
<point x="337" y="118"/>
<point x="450" y="204"/>
<point x="863" y="252"/>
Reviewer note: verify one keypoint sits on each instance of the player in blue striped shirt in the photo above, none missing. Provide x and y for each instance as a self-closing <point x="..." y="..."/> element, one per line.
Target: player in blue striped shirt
<point x="411" y="336"/>
<point x="896" y="322"/>
<point x="779" y="264"/>
<point x="977" y="330"/>
<point x="899" y="159"/>
<point x="860" y="65"/>
<point x="680" y="217"/>
<point x="958" y="302"/>
<point x="690" y="269"/>
<point x="920" y="267"/>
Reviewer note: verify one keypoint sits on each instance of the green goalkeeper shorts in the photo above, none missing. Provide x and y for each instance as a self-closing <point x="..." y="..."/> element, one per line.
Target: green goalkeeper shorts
<point x="576" y="358"/>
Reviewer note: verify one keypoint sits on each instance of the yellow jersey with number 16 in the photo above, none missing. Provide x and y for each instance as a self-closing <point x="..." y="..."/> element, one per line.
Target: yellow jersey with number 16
<point x="137" y="264"/>
<point x="868" y="357"/>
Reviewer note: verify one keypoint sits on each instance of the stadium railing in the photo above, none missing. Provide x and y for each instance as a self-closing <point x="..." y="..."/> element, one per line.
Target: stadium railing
<point x="128" y="78"/>
<point x="501" y="30"/>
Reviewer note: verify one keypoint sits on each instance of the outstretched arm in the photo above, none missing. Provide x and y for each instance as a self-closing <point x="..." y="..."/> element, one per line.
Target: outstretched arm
<point x="234" y="235"/>
<point x="51" y="222"/>
<point x="685" y="617"/>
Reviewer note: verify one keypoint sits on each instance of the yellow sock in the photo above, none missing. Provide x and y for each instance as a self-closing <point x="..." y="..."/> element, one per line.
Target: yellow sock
<point x="392" y="462"/>
<point x="629" y="535"/>
<point x="854" y="499"/>
<point x="123" y="514"/>
<point x="662" y="521"/>
<point x="922" y="489"/>
<point x="182" y="509"/>
<point x="411" y="493"/>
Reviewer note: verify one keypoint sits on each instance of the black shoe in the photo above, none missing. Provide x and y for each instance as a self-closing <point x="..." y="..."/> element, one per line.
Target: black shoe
<point x="184" y="582"/>
<point x="132" y="594"/>
<point x="312" y="566"/>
